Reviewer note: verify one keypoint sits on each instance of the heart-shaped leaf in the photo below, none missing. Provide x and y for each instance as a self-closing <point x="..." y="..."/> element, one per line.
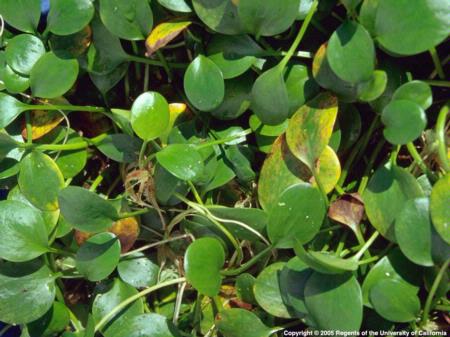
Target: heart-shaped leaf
<point x="12" y="12"/>
<point x="98" y="256"/>
<point x="69" y="16"/>
<point x="202" y="262"/>
<point x="415" y="91"/>
<point x="130" y="20"/>
<point x="40" y="180"/>
<point x="221" y="16"/>
<point x="326" y="295"/>
<point x="23" y="51"/>
<point x="27" y="291"/>
<point x="52" y="76"/>
<point x="150" y="115"/>
<point x="85" y="210"/>
<point x="297" y="215"/>
<point x="240" y="322"/>
<point x="310" y="128"/>
<point x="404" y="121"/>
<point x="24" y="232"/>
<point x="181" y="160"/>
<point x="138" y="270"/>
<point x="163" y="33"/>
<point x="440" y="212"/>
<point x="204" y="84"/>
<point x="10" y="108"/>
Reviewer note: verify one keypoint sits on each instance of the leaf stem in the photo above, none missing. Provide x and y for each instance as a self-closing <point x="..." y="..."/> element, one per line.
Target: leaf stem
<point x="64" y="147"/>
<point x="366" y="246"/>
<point x="437" y="63"/>
<point x="134" y="213"/>
<point x="432" y="293"/>
<point x="248" y="264"/>
<point x="445" y="84"/>
<point x="155" y="244"/>
<point x="224" y="140"/>
<point x="29" y="127"/>
<point x="133" y="298"/>
<point x="320" y="185"/>
<point x="440" y="134"/>
<point x="133" y="58"/>
<point x="66" y="107"/>
<point x="419" y="161"/>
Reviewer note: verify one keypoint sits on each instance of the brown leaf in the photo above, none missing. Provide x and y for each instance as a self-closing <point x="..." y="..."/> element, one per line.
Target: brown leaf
<point x="348" y="210"/>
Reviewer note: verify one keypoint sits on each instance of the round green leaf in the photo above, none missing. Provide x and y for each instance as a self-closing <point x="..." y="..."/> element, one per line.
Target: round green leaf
<point x="13" y="13"/>
<point x="14" y="82"/>
<point x="244" y="288"/>
<point x="270" y="100"/>
<point x="40" y="180"/>
<point x="120" y="147"/>
<point x="394" y="266"/>
<point x="53" y="322"/>
<point x="439" y="206"/>
<point x="27" y="291"/>
<point x="150" y="115"/>
<point x="10" y="108"/>
<point x="351" y="53"/>
<point x="69" y="16"/>
<point x="202" y="262"/>
<point x="107" y="300"/>
<point x="145" y="325"/>
<point x="52" y="76"/>
<point x="24" y="235"/>
<point x="395" y="301"/>
<point x="72" y="162"/>
<point x="240" y="322"/>
<point x="415" y="91"/>
<point x="297" y="215"/>
<point x="407" y="30"/>
<point x="130" y="20"/>
<point x="98" y="256"/>
<point x="268" y="292"/>
<point x="375" y="87"/>
<point x="85" y="210"/>
<point x="385" y="196"/>
<point x="204" y="84"/>
<point x="220" y="15"/>
<point x="23" y="51"/>
<point x="404" y="121"/>
<point x="300" y="87"/>
<point x="181" y="160"/>
<point x="176" y="5"/>
<point x="267" y="17"/>
<point x="413" y="231"/>
<point x="138" y="270"/>
<point x="326" y="295"/>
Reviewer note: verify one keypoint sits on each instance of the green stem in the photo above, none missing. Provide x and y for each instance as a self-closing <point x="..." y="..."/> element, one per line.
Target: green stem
<point x="437" y="63"/>
<point x="142" y="154"/>
<point x="144" y="60"/>
<point x="300" y="35"/>
<point x="65" y="147"/>
<point x="320" y="185"/>
<point x="419" y="161"/>
<point x="133" y="298"/>
<point x="96" y="182"/>
<point x="134" y="213"/>
<point x="373" y="157"/>
<point x="366" y="246"/>
<point x="29" y="127"/>
<point x="248" y="264"/>
<point x="137" y="65"/>
<point x="224" y="140"/>
<point x="368" y="260"/>
<point x="440" y="134"/>
<point x="5" y="329"/>
<point x="165" y="65"/>
<point x="432" y="293"/>
<point x="67" y="107"/>
<point x="445" y="84"/>
<point x="445" y="308"/>
<point x="155" y="244"/>
<point x="195" y="192"/>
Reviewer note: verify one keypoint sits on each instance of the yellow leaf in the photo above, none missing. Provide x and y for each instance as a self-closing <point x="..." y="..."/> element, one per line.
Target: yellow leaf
<point x="162" y="34"/>
<point x="175" y="110"/>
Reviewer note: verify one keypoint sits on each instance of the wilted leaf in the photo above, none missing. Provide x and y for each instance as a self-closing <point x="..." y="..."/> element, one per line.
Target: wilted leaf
<point x="348" y="210"/>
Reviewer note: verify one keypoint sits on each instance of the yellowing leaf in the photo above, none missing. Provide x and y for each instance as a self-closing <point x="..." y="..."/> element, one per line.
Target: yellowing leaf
<point x="175" y="110"/>
<point x="162" y="34"/>
<point x="42" y="123"/>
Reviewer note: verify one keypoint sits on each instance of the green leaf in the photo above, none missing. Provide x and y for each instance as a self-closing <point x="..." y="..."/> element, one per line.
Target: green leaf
<point x="116" y="292"/>
<point x="310" y="128"/>
<point x="393" y="266"/>
<point x="166" y="184"/>
<point x="270" y="100"/>
<point x="233" y="54"/>
<point x="413" y="231"/>
<point x="375" y="87"/>
<point x="268" y="292"/>
<point x="240" y="322"/>
<point x="415" y="91"/>
<point x="297" y="215"/>
<point x="72" y="162"/>
<point x="40" y="180"/>
<point x="138" y="270"/>
<point x="52" y="76"/>
<point x="27" y="291"/>
<point x="300" y="86"/>
<point x="85" y="210"/>
<point x="267" y="17"/>
<point x="395" y="301"/>
<point x="440" y="212"/>
<point x="326" y="295"/>
<point x="163" y="34"/>
<point x="204" y="84"/>
<point x="150" y="115"/>
<point x="23" y="51"/>
<point x="53" y="322"/>
<point x="181" y="160"/>
<point x="98" y="256"/>
<point x="69" y="16"/>
<point x="221" y="15"/>
<point x="24" y="235"/>
<point x="407" y="30"/>
<point x="13" y="13"/>
<point x="120" y="147"/>
<point x="154" y="325"/>
<point x="404" y="121"/>
<point x="385" y="196"/>
<point x="10" y="108"/>
<point x="244" y="288"/>
<point x="351" y="53"/>
<point x="176" y="5"/>
<point x="130" y="20"/>
<point x="202" y="262"/>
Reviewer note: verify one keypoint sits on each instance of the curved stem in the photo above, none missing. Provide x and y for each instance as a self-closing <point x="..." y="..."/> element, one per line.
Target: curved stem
<point x="440" y="134"/>
<point x="155" y="244"/>
<point x="134" y="213"/>
<point x="366" y="246"/>
<point x="437" y="63"/>
<point x="133" y="298"/>
<point x="248" y="264"/>
<point x="419" y="161"/>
